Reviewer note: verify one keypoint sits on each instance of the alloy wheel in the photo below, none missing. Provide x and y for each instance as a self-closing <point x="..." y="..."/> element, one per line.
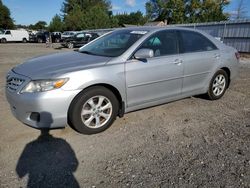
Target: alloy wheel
<point x="219" y="85"/>
<point x="96" y="112"/>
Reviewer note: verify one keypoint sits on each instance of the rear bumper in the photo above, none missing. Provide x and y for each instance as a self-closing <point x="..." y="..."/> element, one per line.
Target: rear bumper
<point x="41" y="110"/>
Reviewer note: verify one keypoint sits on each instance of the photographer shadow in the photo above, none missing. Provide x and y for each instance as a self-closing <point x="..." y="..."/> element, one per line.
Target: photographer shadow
<point x="48" y="161"/>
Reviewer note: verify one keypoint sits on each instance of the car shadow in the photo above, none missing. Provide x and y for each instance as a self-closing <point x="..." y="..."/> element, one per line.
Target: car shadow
<point x="48" y="161"/>
<point x="202" y="96"/>
<point x="59" y="48"/>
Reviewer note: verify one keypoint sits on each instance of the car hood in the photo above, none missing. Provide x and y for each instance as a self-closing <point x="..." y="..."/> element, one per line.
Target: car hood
<point x="54" y="65"/>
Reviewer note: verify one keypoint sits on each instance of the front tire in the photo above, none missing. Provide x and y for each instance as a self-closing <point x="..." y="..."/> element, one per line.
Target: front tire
<point x="3" y="40"/>
<point x="218" y="85"/>
<point x="39" y="40"/>
<point x="24" y="40"/>
<point x="93" y="110"/>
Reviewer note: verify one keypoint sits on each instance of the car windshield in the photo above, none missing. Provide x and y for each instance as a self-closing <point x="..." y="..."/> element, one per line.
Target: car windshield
<point x="113" y="44"/>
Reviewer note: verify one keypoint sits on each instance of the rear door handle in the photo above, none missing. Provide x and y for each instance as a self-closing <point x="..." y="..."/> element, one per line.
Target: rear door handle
<point x="178" y="62"/>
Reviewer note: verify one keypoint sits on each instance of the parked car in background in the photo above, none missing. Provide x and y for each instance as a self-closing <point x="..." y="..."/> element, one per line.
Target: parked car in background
<point x="41" y="36"/>
<point x="122" y="71"/>
<point x="79" y="39"/>
<point x="56" y="37"/>
<point x="67" y="34"/>
<point x="14" y="36"/>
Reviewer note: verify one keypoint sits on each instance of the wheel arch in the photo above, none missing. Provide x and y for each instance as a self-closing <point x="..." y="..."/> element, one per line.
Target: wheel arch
<point x="112" y="89"/>
<point x="227" y="70"/>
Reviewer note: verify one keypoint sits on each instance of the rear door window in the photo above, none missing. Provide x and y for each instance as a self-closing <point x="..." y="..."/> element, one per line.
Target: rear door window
<point x="195" y="42"/>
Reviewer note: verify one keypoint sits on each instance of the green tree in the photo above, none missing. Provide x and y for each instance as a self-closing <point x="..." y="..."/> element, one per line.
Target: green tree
<point x="40" y="25"/>
<point x="6" y="22"/>
<point x="97" y="17"/>
<point x="87" y="14"/>
<point x="56" y="24"/>
<point x="171" y="10"/>
<point x="186" y="11"/>
<point x="193" y="11"/>
<point x="74" y="19"/>
<point x="206" y="11"/>
<point x="175" y="11"/>
<point x="85" y="5"/>
<point x="134" y="18"/>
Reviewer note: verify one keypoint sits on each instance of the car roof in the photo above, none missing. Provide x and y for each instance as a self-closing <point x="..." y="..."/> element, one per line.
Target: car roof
<point x="152" y="29"/>
<point x="156" y="28"/>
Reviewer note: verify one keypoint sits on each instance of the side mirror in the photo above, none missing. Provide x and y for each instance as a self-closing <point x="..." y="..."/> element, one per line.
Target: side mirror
<point x="144" y="53"/>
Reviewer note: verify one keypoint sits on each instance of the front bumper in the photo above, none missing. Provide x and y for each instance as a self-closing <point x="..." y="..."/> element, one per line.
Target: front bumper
<point x="51" y="107"/>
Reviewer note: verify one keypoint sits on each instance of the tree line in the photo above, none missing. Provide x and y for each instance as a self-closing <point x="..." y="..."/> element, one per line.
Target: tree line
<point x="95" y="14"/>
<point x="5" y="20"/>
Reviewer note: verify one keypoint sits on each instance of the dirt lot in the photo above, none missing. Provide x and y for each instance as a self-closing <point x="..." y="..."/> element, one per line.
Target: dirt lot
<point x="189" y="143"/>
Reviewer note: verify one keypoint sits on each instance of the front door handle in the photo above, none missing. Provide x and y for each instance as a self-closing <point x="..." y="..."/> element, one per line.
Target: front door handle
<point x="178" y="62"/>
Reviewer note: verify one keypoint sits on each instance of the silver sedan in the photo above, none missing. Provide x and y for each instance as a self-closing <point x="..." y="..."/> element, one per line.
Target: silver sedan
<point x="122" y="71"/>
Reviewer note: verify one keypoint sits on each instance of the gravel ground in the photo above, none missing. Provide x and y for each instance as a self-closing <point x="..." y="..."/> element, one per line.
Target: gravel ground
<point x="192" y="142"/>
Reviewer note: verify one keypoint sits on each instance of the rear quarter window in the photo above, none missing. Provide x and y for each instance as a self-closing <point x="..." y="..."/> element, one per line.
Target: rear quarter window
<point x="195" y="42"/>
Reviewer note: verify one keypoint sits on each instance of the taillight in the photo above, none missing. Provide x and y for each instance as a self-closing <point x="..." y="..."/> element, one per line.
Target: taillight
<point x="237" y="55"/>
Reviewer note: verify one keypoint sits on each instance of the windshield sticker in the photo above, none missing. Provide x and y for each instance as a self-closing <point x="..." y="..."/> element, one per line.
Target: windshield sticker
<point x="139" y="32"/>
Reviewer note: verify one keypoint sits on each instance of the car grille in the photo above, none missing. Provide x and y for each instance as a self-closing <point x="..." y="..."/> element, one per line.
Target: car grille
<point x="13" y="83"/>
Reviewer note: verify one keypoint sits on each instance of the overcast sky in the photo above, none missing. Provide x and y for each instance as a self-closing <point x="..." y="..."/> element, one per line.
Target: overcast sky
<point x="30" y="11"/>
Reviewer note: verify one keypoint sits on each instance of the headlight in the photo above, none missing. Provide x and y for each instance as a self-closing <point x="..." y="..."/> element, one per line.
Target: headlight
<point x="43" y="85"/>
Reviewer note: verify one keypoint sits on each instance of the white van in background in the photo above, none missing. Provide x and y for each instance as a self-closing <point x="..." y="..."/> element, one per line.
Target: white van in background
<point x="14" y="36"/>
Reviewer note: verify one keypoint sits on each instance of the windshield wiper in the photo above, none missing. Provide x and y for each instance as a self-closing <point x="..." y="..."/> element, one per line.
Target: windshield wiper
<point x="91" y="53"/>
<point x="87" y="52"/>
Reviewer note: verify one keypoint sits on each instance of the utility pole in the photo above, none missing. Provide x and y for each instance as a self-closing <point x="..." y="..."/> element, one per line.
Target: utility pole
<point x="240" y="12"/>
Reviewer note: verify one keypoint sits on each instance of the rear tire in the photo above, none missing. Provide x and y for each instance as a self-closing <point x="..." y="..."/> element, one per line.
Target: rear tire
<point x="218" y="85"/>
<point x="93" y="110"/>
<point x="24" y="40"/>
